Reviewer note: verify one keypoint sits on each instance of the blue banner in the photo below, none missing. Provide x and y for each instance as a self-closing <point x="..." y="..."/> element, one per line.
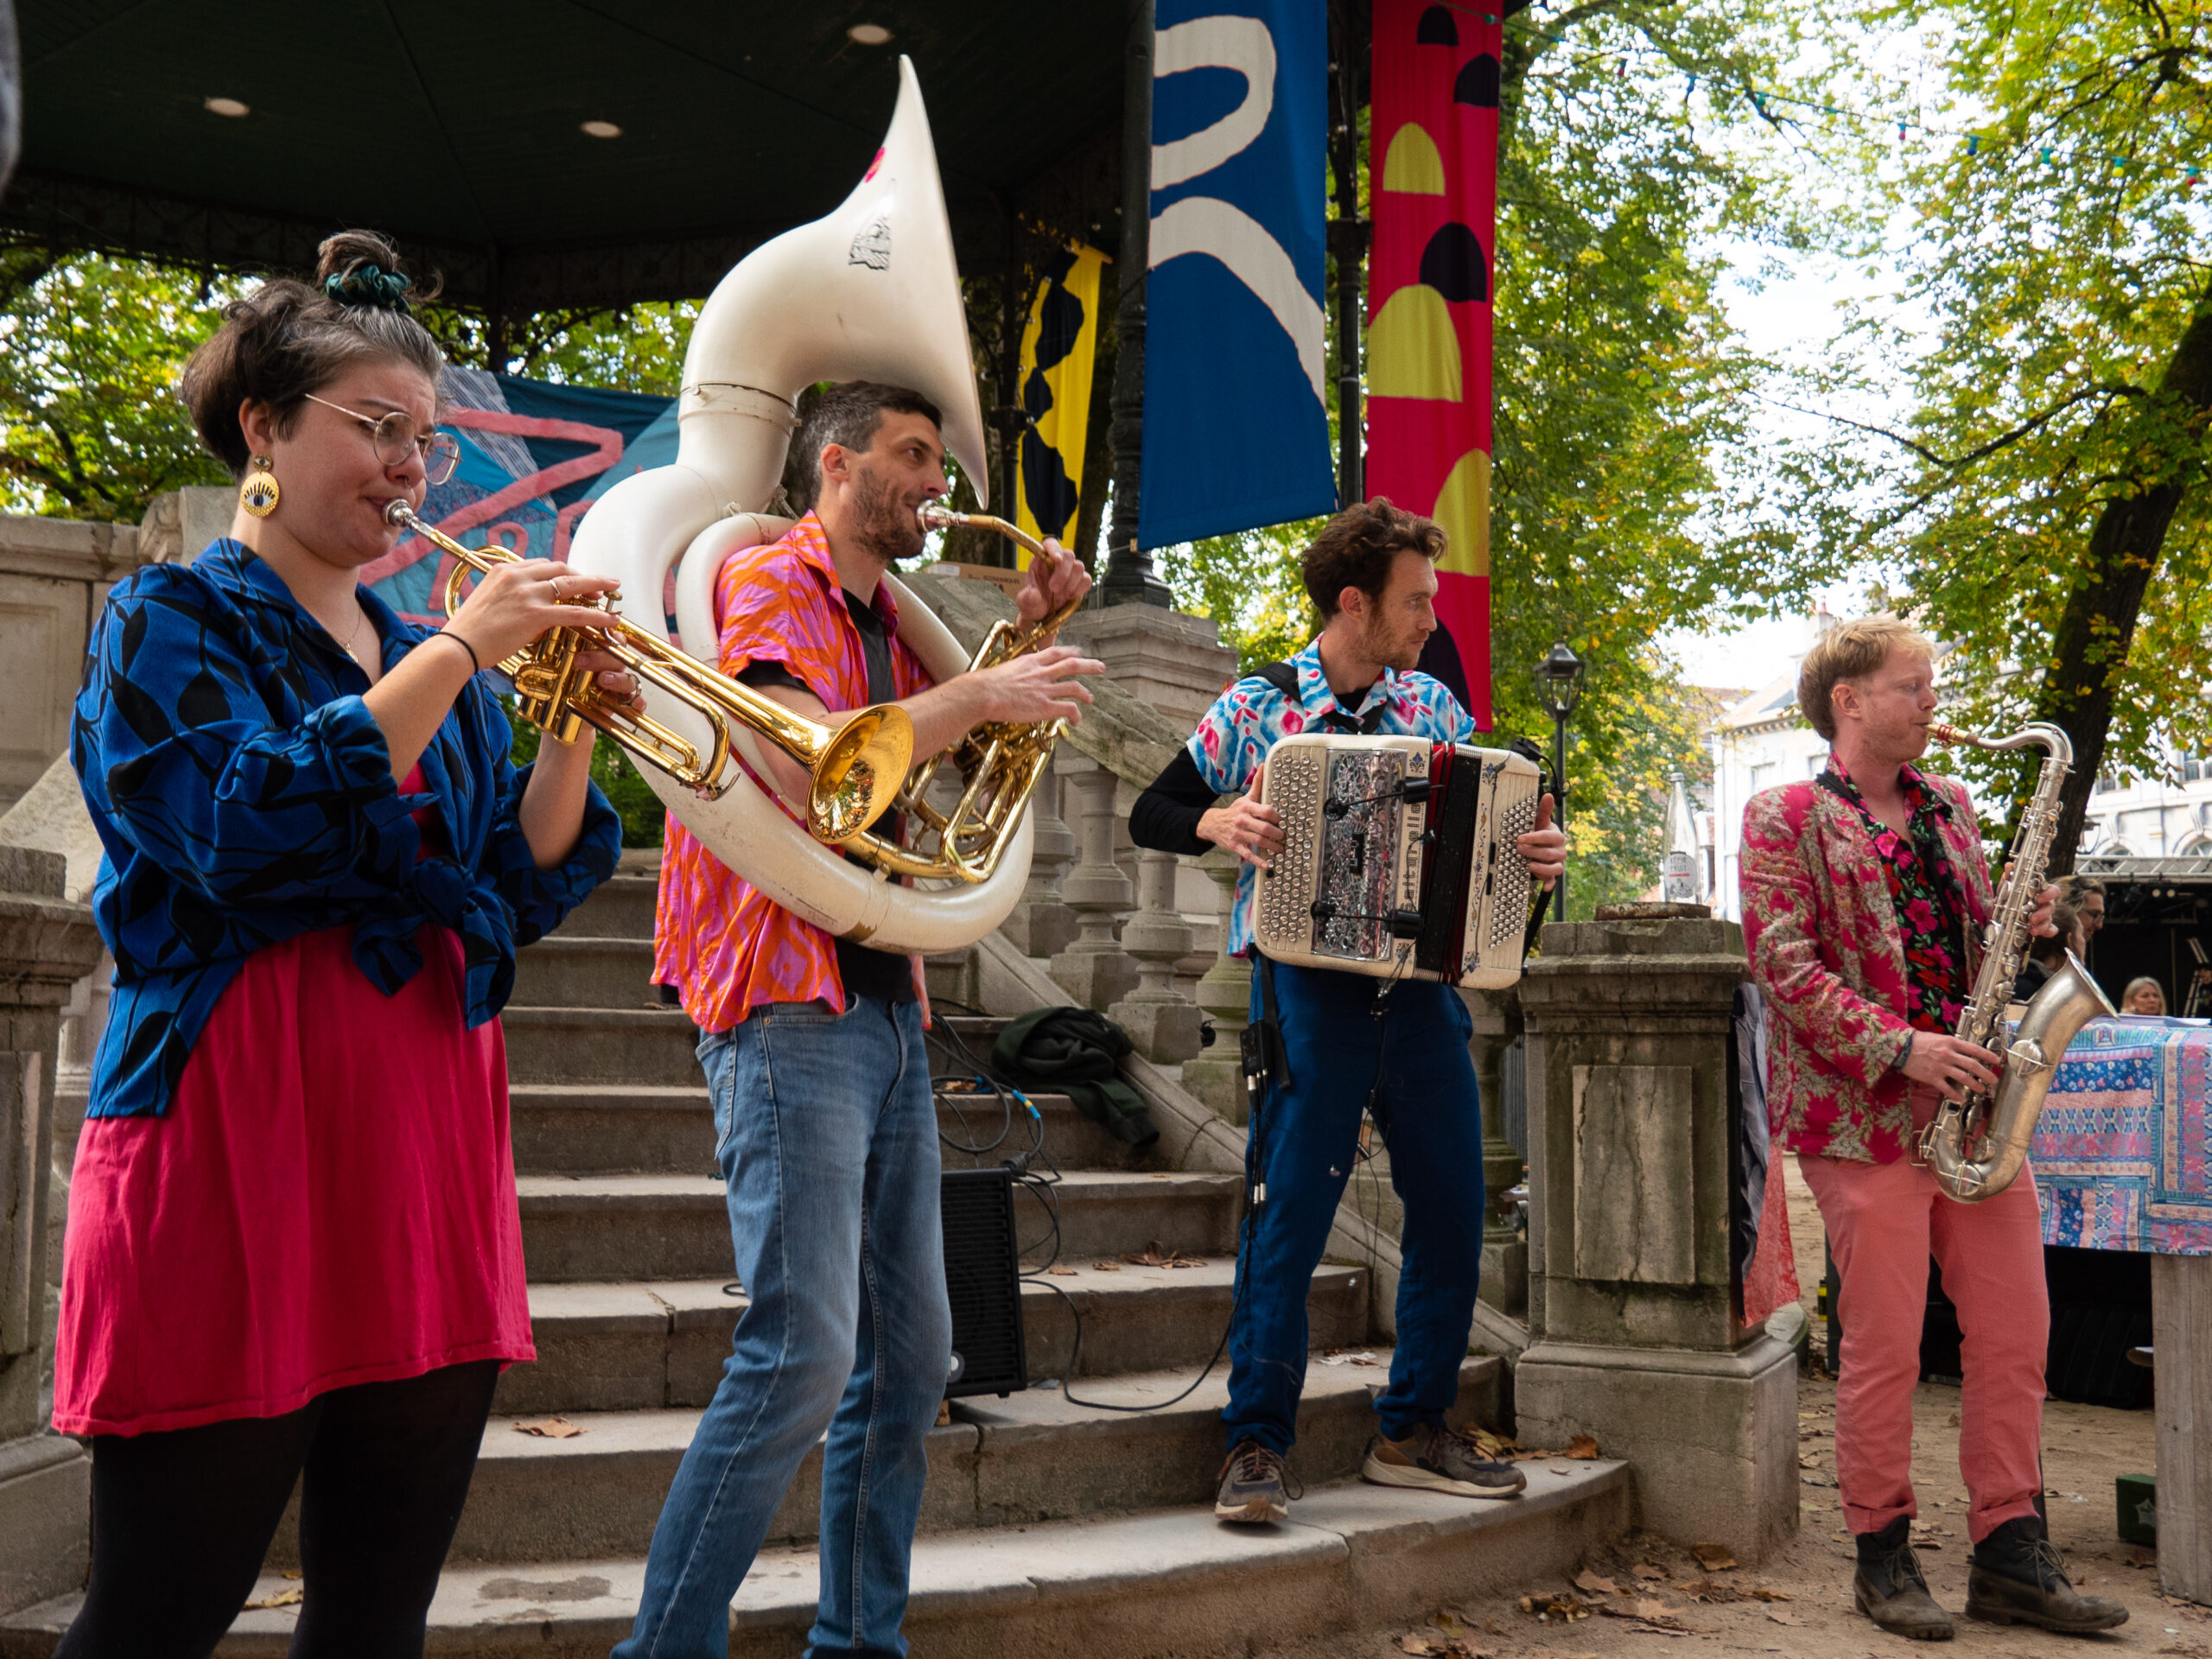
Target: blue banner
<point x="1236" y="417"/>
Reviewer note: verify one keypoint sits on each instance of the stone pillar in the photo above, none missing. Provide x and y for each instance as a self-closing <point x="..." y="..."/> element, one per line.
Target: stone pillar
<point x="1094" y="969"/>
<point x="1638" y="1337"/>
<point x="46" y="945"/>
<point x="1041" y="925"/>
<point x="1217" y="1076"/>
<point x="1505" y="1256"/>
<point x="1161" y="1022"/>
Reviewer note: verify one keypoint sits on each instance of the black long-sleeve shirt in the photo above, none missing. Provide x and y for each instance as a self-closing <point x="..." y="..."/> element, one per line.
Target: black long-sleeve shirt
<point x="1166" y="816"/>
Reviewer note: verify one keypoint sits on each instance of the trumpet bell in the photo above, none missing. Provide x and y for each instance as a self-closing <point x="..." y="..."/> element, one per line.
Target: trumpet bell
<point x="859" y="773"/>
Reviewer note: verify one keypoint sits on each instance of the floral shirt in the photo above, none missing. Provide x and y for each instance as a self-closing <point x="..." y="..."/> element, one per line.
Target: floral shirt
<point x="725" y="945"/>
<point x="1924" y="889"/>
<point x="1826" y="938"/>
<point x="1250" y="717"/>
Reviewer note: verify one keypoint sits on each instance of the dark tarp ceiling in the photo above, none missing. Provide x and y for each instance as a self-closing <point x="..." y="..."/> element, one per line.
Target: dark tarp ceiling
<point x="456" y="128"/>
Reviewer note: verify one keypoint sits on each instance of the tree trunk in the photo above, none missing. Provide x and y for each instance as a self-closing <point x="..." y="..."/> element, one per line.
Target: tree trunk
<point x="2090" y="645"/>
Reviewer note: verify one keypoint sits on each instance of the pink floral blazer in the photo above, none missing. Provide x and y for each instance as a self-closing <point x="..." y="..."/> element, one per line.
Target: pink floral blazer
<point x="1822" y="934"/>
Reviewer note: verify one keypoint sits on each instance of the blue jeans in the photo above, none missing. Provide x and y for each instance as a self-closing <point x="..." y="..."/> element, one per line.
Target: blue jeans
<point x="1409" y="1052"/>
<point x="827" y="1136"/>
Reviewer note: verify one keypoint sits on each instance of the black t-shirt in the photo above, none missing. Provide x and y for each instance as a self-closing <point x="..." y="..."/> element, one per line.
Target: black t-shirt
<point x="864" y="972"/>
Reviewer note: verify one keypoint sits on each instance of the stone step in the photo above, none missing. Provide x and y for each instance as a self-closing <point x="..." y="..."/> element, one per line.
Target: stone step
<point x="636" y="1044"/>
<point x="611" y="1228"/>
<point x="559" y="972"/>
<point x="585" y="1128"/>
<point x="646" y="1346"/>
<point x="1353" y="1560"/>
<point x="1035" y="1457"/>
<point x="620" y="907"/>
<point x="592" y="1129"/>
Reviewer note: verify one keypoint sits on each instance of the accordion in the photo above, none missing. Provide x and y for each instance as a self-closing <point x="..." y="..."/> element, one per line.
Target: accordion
<point x="1401" y="858"/>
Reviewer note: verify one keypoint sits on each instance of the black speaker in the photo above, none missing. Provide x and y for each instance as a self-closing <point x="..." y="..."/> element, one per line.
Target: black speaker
<point x="983" y="1279"/>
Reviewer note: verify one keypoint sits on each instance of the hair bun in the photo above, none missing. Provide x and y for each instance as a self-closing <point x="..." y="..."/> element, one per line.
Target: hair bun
<point x="359" y="268"/>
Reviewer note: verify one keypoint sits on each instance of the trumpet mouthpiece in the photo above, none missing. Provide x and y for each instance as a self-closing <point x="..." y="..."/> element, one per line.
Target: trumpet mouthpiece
<point x="397" y="511"/>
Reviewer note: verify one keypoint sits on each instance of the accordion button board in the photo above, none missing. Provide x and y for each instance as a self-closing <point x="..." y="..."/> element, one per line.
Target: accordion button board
<point x="1401" y="858"/>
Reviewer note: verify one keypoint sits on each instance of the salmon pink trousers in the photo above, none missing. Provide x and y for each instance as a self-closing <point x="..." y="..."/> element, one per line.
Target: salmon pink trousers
<point x="1884" y="1221"/>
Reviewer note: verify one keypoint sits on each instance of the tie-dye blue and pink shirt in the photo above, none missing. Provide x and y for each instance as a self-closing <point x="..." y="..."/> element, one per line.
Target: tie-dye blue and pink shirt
<point x="1251" y="716"/>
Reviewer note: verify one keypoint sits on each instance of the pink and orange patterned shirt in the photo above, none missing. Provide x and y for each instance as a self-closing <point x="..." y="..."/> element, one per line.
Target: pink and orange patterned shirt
<point x="726" y="947"/>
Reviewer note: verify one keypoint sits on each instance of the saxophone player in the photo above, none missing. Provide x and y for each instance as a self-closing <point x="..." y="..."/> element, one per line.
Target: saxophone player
<point x="1864" y="893"/>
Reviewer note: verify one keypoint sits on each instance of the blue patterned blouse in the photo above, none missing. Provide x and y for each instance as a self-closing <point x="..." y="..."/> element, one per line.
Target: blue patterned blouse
<point x="244" y="794"/>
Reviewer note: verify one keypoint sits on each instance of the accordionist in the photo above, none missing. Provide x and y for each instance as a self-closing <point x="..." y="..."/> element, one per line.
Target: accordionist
<point x="1348" y="1044"/>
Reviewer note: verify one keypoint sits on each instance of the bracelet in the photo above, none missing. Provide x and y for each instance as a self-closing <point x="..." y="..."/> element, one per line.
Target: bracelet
<point x="1904" y="1054"/>
<point x="447" y="633"/>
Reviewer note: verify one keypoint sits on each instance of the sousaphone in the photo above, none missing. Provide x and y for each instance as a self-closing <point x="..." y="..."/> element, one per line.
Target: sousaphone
<point x="870" y="291"/>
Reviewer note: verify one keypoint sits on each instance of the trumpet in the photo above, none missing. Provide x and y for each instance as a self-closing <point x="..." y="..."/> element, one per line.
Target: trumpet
<point x="854" y="768"/>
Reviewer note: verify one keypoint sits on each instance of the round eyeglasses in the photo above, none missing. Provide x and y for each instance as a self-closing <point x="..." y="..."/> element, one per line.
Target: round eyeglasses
<point x="396" y="435"/>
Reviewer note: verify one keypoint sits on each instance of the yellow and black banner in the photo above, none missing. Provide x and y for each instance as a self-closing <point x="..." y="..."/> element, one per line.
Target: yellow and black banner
<point x="1060" y="346"/>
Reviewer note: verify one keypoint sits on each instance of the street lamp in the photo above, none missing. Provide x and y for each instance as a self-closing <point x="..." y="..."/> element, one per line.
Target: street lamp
<point x="1558" y="683"/>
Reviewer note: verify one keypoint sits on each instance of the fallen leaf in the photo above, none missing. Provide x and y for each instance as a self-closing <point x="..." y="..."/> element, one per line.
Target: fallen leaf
<point x="1713" y="1558"/>
<point x="1588" y="1579"/>
<point x="1582" y="1447"/>
<point x="291" y="1598"/>
<point x="1107" y="1266"/>
<point x="1706" y="1590"/>
<point x="1553" y="1606"/>
<point x="552" y="1429"/>
<point x="944" y="1413"/>
<point x="1343" y="1357"/>
<point x="1414" y="1642"/>
<point x="1645" y="1570"/>
<point x="1661" y="1630"/>
<point x="1781" y="1618"/>
<point x="1061" y="1273"/>
<point x="1157" y="1255"/>
<point x="1808" y="1460"/>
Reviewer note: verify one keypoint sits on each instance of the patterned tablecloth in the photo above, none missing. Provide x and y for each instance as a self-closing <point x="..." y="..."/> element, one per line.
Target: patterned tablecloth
<point x="2123" y="1151"/>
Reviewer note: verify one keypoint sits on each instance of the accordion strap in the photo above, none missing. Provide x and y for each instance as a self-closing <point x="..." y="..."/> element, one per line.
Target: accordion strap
<point x="1284" y="678"/>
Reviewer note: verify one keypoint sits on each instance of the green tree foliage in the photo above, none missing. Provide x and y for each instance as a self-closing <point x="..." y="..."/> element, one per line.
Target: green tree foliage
<point x="2046" y="506"/>
<point x="90" y="350"/>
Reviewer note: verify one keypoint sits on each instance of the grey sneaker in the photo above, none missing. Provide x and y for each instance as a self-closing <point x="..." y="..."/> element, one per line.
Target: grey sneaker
<point x="1433" y="1459"/>
<point x="1252" y="1486"/>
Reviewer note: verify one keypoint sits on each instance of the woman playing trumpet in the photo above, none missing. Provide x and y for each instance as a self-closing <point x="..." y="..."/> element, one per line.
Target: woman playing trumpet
<point x="292" y="1240"/>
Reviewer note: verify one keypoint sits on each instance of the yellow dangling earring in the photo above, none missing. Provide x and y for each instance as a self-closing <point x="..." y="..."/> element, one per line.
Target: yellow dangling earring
<point x="259" y="493"/>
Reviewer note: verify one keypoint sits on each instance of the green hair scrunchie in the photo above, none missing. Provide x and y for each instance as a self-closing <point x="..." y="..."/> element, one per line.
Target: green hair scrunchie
<point x="367" y="285"/>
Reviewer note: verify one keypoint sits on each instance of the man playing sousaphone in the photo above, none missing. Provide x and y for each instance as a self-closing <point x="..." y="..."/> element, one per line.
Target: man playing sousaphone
<point x="1864" y="895"/>
<point x="825" y="1126"/>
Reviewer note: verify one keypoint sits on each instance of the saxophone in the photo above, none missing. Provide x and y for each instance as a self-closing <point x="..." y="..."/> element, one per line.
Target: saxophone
<point x="1975" y="1146"/>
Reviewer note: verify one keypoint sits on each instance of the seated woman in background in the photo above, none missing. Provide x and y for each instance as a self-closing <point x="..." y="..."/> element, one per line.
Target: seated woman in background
<point x="2045" y="955"/>
<point x="2143" y="995"/>
<point x="294" y="1242"/>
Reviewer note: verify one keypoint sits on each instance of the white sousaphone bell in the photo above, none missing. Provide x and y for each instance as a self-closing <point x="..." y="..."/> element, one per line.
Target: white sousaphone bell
<point x="870" y="291"/>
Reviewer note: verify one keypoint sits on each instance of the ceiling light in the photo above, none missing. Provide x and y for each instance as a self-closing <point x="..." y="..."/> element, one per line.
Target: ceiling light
<point x="869" y="35"/>
<point x="229" y="106"/>
<point x="602" y="130"/>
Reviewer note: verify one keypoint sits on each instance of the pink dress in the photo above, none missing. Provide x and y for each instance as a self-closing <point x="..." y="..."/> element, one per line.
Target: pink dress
<point x="329" y="1199"/>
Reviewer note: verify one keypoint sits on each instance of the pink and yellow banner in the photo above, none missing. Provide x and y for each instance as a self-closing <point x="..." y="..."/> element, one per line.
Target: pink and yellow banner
<point x="1432" y="161"/>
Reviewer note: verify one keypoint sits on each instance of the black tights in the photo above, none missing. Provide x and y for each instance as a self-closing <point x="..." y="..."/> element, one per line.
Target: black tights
<point x="181" y="1520"/>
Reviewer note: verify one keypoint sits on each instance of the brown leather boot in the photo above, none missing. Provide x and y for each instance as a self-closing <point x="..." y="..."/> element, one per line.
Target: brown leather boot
<point x="2017" y="1577"/>
<point x="1889" y="1588"/>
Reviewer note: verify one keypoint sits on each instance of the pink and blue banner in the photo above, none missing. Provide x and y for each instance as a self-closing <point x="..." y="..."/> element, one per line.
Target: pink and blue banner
<point x="534" y="457"/>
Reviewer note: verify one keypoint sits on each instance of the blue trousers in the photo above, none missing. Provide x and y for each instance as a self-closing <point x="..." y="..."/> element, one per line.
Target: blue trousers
<point x="1404" y="1056"/>
<point x="827" y="1136"/>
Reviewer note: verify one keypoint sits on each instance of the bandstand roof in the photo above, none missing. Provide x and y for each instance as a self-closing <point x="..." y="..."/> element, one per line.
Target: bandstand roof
<point x="458" y="129"/>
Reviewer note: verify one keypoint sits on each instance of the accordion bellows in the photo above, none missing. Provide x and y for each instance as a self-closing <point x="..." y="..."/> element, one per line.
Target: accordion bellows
<point x="1400" y="859"/>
